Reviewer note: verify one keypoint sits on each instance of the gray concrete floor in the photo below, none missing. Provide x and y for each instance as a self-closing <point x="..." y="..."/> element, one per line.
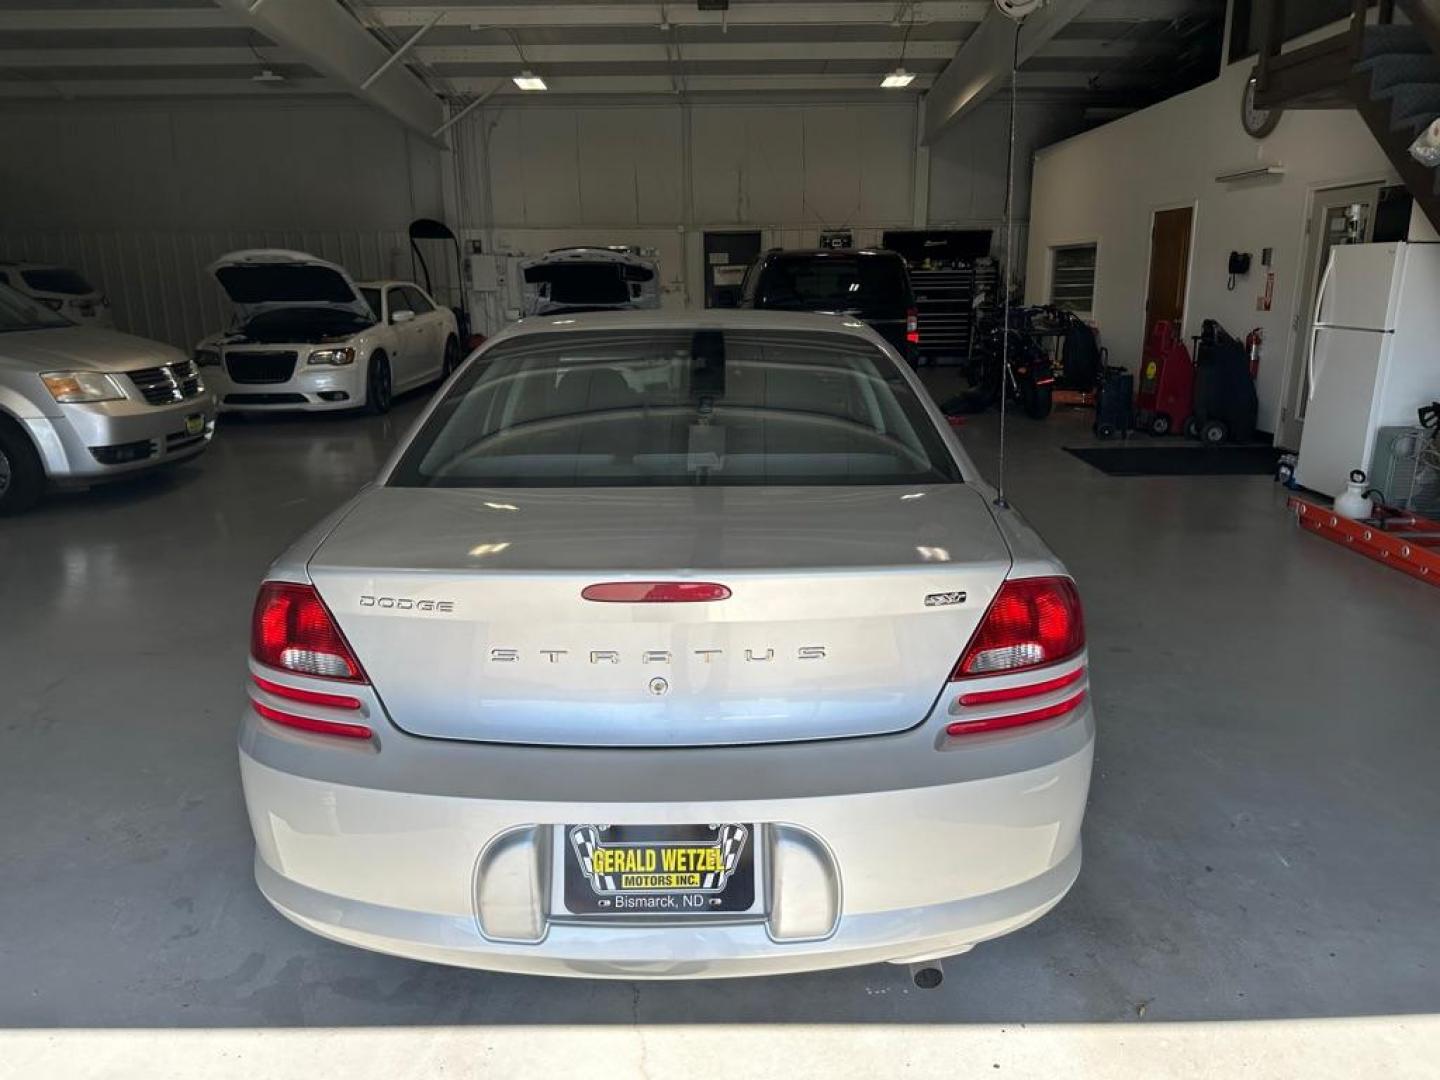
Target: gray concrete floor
<point x="1261" y="841"/>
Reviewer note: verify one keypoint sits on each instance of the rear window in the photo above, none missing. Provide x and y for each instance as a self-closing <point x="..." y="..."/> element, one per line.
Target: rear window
<point x="865" y="284"/>
<point x="678" y="408"/>
<point x="56" y="279"/>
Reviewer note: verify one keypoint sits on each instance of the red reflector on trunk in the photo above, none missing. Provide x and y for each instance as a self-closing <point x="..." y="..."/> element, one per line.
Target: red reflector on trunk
<point x="1015" y="693"/>
<point x="655" y="592"/>
<point x="309" y="723"/>
<point x="309" y="697"/>
<point x="1001" y="723"/>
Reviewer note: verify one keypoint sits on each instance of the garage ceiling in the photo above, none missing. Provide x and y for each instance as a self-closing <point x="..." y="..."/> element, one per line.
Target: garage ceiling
<point x="1116" y="55"/>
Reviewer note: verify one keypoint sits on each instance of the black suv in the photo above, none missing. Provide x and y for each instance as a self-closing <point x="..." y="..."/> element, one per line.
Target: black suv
<point x="871" y="285"/>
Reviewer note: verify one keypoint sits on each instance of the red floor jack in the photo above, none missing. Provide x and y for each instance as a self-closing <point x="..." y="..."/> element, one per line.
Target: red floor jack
<point x="1165" y="399"/>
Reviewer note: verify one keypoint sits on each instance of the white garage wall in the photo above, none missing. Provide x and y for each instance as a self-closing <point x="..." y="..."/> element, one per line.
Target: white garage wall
<point x="534" y="177"/>
<point x="141" y="196"/>
<point x="1105" y="185"/>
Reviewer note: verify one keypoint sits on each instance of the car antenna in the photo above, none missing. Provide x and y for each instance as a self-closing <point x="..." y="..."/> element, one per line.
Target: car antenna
<point x="1005" y="376"/>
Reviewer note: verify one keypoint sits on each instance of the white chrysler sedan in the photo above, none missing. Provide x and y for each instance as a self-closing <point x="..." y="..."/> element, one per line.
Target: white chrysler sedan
<point x="308" y="337"/>
<point x="670" y="646"/>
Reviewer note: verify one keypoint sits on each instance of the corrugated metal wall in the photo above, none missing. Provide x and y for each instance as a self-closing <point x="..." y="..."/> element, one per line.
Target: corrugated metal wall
<point x="156" y="281"/>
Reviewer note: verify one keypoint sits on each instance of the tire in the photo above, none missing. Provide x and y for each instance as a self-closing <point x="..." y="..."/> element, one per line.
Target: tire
<point x="22" y="478"/>
<point x="379" y="390"/>
<point x="1214" y="433"/>
<point x="452" y="358"/>
<point x="1037" y="401"/>
<point x="1191" y="428"/>
<point x="1104" y="431"/>
<point x="1159" y="425"/>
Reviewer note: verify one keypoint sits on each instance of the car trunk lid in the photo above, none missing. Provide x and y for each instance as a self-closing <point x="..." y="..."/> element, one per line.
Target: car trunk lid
<point x="848" y="608"/>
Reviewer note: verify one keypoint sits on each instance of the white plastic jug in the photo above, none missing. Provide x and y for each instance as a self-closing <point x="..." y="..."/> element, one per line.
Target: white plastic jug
<point x="1352" y="502"/>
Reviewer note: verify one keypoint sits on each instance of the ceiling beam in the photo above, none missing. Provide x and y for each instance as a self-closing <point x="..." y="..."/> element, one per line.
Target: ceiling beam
<point x="984" y="62"/>
<point x="540" y="55"/>
<point x="766" y="13"/>
<point x="326" y="37"/>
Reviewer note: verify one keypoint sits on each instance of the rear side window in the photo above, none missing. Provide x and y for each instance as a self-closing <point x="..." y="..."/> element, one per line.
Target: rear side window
<point x="678" y="408"/>
<point x="56" y="279"/>
<point x="867" y="284"/>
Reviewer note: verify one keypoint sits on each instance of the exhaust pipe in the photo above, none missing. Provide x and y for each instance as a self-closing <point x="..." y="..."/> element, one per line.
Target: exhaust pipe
<point x="927" y="975"/>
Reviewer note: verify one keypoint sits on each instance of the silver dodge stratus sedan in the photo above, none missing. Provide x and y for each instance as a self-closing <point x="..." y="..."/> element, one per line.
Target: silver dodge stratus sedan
<point x="670" y="646"/>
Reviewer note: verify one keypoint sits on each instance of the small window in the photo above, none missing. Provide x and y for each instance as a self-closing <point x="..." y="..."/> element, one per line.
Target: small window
<point x="418" y="303"/>
<point x="1072" y="278"/>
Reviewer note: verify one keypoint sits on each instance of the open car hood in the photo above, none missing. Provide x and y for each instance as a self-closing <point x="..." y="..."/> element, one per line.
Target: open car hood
<point x="264" y="279"/>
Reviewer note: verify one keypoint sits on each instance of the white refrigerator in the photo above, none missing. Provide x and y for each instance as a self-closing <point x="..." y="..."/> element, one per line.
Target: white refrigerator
<point x="1374" y="355"/>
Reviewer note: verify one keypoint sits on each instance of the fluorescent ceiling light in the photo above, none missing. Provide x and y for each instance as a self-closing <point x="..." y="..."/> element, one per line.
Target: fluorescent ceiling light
<point x="898" y="79"/>
<point x="528" y="80"/>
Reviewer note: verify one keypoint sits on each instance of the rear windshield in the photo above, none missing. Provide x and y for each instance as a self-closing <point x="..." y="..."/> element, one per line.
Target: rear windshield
<point x="864" y="284"/>
<point x="56" y="279"/>
<point x="678" y="408"/>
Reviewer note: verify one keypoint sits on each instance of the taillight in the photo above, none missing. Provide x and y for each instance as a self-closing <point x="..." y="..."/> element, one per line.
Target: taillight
<point x="1032" y="622"/>
<point x="311" y="723"/>
<point x="292" y="630"/>
<point x="912" y="326"/>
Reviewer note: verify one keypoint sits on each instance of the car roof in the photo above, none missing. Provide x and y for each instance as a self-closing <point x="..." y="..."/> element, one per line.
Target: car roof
<point x="707" y="319"/>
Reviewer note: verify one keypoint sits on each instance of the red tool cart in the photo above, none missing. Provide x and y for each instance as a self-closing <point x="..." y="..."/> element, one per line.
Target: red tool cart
<point x="1165" y="400"/>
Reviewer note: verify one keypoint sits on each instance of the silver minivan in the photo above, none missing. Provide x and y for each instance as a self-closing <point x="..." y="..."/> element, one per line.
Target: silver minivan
<point x="80" y="405"/>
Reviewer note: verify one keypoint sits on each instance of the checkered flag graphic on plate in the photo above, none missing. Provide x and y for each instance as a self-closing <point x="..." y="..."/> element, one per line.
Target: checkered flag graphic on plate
<point x="732" y="843"/>
<point x="585" y="840"/>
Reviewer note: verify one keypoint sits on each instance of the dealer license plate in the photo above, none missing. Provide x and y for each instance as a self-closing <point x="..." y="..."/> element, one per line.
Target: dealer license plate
<point x="659" y="869"/>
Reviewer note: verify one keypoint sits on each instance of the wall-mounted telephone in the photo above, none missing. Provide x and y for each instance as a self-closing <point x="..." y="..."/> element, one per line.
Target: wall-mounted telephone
<point x="1239" y="266"/>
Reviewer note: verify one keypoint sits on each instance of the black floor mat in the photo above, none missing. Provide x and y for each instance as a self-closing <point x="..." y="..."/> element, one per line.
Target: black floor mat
<point x="1189" y="460"/>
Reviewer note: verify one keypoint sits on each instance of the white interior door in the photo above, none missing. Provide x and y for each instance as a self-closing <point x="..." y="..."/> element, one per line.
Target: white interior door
<point x="1339" y="216"/>
<point x="1339" y="420"/>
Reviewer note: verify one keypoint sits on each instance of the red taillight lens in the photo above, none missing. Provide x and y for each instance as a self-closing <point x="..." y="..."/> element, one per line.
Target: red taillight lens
<point x="293" y="631"/>
<point x="912" y="326"/>
<point x="308" y="697"/>
<point x="1018" y="693"/>
<point x="1032" y="622"/>
<point x="655" y="592"/>
<point x="1014" y="720"/>
<point x="310" y="723"/>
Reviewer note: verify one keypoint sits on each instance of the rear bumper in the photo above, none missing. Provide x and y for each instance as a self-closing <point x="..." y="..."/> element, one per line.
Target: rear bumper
<point x="87" y="443"/>
<point x="849" y="876"/>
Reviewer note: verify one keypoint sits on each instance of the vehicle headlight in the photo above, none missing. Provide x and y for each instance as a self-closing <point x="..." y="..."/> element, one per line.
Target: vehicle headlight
<point x="71" y="387"/>
<point x="333" y="357"/>
<point x="206" y="357"/>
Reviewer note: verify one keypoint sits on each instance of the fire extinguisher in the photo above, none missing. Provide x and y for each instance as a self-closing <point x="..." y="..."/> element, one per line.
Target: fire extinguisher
<point x="1253" y="341"/>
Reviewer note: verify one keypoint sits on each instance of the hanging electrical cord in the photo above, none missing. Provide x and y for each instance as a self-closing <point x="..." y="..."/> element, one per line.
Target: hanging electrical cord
<point x="1006" y="375"/>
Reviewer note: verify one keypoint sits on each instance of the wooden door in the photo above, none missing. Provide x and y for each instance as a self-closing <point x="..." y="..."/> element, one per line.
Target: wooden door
<point x="1169" y="267"/>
